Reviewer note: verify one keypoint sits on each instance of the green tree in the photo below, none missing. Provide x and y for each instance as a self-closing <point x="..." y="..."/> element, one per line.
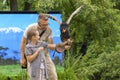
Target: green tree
<point x="95" y="52"/>
<point x="96" y="27"/>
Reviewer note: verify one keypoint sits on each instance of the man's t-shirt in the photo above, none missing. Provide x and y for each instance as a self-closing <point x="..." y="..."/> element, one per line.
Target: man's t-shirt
<point x="44" y="37"/>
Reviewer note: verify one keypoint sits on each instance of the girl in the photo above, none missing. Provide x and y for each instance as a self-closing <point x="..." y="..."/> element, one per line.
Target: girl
<point x="34" y="52"/>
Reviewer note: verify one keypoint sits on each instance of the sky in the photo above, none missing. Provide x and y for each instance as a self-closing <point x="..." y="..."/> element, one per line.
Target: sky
<point x="17" y="20"/>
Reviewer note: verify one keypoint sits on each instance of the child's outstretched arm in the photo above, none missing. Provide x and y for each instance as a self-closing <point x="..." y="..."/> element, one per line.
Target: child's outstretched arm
<point x="56" y="46"/>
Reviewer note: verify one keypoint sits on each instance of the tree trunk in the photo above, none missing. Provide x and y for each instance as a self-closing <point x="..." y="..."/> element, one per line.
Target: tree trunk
<point x="27" y="6"/>
<point x="13" y="5"/>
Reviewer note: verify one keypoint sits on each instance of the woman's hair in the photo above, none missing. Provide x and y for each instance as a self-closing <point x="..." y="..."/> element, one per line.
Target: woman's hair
<point x="30" y="33"/>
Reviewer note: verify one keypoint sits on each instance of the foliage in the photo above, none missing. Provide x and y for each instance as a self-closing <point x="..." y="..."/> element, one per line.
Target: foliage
<point x="96" y="32"/>
<point x="70" y="68"/>
<point x="97" y="27"/>
<point x="4" y="7"/>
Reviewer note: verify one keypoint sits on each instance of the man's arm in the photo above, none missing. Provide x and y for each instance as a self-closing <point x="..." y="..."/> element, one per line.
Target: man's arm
<point x="50" y="40"/>
<point x="22" y="52"/>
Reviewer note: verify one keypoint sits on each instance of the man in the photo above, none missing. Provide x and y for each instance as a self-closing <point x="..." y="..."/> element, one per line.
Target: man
<point x="45" y="35"/>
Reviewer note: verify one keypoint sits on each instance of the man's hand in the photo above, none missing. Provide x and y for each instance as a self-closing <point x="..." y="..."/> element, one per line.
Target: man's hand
<point x="23" y="63"/>
<point x="23" y="60"/>
<point x="67" y="47"/>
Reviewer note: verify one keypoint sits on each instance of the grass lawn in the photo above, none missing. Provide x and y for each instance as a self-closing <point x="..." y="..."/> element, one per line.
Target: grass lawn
<point x="15" y="70"/>
<point x="10" y="70"/>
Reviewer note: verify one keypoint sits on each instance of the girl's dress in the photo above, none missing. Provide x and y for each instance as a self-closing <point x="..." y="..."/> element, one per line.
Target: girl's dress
<point x="38" y="67"/>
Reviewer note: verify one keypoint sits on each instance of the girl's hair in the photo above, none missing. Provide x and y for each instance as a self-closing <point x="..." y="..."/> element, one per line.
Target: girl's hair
<point x="30" y="33"/>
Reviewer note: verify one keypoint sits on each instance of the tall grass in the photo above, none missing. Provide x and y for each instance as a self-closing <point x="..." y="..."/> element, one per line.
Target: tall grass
<point x="71" y="68"/>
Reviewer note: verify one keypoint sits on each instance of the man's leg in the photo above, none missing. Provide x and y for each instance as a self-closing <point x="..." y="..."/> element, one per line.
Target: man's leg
<point x="52" y="75"/>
